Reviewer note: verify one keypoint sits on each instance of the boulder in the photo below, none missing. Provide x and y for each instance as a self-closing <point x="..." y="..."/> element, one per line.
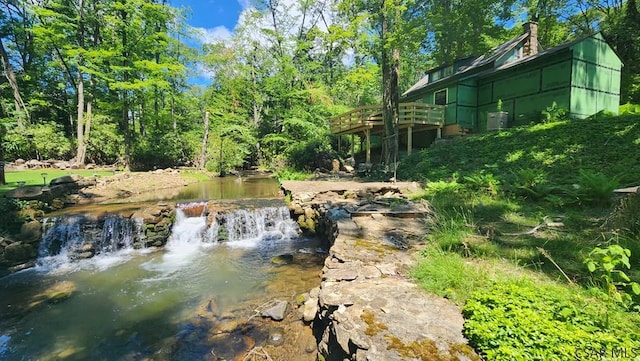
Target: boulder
<point x="30" y="232"/>
<point x="310" y="309"/>
<point x="30" y="193"/>
<point x="19" y="252"/>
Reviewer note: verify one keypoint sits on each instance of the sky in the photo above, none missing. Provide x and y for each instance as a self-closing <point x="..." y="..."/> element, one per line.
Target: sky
<point x="215" y="18"/>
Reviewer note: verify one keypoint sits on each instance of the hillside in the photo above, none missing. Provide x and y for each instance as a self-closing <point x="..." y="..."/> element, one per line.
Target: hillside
<point x="528" y="237"/>
<point x="556" y="151"/>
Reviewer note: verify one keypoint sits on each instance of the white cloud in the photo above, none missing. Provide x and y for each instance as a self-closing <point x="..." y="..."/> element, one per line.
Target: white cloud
<point x="212" y="35"/>
<point x="245" y="3"/>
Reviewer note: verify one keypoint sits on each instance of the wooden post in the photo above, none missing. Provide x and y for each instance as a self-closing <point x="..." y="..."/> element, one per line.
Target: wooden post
<point x="353" y="145"/>
<point x="367" y="134"/>
<point x="439" y="132"/>
<point x="409" y="140"/>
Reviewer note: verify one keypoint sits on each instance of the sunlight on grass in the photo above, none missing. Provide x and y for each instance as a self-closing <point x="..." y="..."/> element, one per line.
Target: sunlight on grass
<point x="514" y="156"/>
<point x="38" y="177"/>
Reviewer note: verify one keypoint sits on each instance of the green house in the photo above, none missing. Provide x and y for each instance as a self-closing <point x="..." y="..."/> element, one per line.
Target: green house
<point x="517" y="80"/>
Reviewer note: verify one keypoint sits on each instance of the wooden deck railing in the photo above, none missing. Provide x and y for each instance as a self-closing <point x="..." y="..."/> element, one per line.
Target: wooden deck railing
<point x="370" y="116"/>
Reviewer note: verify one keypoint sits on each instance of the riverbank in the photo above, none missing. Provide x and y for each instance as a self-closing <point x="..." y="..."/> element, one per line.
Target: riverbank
<point x="367" y="307"/>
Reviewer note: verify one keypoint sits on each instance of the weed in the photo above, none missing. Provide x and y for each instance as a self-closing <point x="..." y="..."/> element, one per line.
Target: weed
<point x="605" y="265"/>
<point x="446" y="274"/>
<point x="553" y="113"/>
<point x="595" y="187"/>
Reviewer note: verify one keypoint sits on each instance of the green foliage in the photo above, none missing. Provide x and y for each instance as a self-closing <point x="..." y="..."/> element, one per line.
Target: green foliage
<point x="595" y="188"/>
<point x="520" y="320"/>
<point x="159" y="150"/>
<point x="606" y="265"/>
<point x="553" y="114"/>
<point x="483" y="181"/>
<point x="312" y="154"/>
<point x="628" y="108"/>
<point x="40" y="141"/>
<point x="10" y="221"/>
<point x="446" y="274"/>
<point x="292" y="174"/>
<point x="105" y="144"/>
<point x="539" y="162"/>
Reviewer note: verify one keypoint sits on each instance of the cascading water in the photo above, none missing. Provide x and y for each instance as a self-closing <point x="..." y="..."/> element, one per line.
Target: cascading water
<point x="127" y="304"/>
<point x="67" y="239"/>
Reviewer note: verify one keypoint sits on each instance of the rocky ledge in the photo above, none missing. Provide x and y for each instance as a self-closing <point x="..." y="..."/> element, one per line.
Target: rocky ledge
<point x="367" y="307"/>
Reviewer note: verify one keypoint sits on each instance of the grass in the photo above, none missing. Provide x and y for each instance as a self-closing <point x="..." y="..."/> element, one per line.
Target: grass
<point x="34" y="177"/>
<point x="520" y="210"/>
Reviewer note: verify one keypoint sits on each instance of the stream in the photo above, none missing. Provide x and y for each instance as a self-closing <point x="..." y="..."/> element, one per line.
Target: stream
<point x="195" y="299"/>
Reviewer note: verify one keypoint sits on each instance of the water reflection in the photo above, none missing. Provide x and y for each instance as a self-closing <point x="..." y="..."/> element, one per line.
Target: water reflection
<point x="231" y="188"/>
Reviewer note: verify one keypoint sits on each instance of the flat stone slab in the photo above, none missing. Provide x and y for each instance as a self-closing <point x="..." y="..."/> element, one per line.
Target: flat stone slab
<point x="277" y="311"/>
<point x="382" y="314"/>
<point x="309" y="188"/>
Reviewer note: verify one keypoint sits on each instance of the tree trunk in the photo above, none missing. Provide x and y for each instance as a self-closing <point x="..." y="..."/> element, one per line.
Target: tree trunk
<point x="21" y="109"/>
<point x="203" y="153"/>
<point x="390" y="98"/>
<point x="80" y="151"/>
<point x="3" y="181"/>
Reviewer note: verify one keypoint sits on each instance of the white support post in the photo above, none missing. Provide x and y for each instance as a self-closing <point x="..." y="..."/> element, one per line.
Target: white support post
<point x="409" y="140"/>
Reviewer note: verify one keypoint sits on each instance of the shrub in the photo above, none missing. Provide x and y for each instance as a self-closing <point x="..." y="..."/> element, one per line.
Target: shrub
<point x="105" y="144"/>
<point x="520" y="320"/>
<point x="10" y="221"/>
<point x="595" y="188"/>
<point x="312" y="154"/>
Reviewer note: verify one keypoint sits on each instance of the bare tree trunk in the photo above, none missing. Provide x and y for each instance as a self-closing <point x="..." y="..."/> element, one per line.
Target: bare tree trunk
<point x="3" y="181"/>
<point x="205" y="138"/>
<point x="390" y="98"/>
<point x="80" y="151"/>
<point x="21" y="109"/>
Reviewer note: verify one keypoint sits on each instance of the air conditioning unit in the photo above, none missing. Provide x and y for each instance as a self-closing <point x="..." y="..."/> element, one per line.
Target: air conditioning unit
<point x="497" y="120"/>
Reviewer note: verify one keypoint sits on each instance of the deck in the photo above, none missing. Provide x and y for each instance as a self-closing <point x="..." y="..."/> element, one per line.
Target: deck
<point x="413" y="117"/>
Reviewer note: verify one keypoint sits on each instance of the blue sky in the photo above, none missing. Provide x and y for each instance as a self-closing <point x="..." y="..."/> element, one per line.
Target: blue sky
<point x="215" y="19"/>
<point x="213" y="16"/>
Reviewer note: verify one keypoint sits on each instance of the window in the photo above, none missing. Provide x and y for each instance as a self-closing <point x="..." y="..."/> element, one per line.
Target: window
<point x="440" y="97"/>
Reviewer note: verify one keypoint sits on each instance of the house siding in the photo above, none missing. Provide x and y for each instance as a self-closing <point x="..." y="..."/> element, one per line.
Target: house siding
<point x="527" y="89"/>
<point x="583" y="77"/>
<point x="595" y="84"/>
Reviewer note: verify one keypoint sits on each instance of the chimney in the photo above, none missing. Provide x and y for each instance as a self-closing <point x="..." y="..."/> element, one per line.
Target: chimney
<point x="531" y="42"/>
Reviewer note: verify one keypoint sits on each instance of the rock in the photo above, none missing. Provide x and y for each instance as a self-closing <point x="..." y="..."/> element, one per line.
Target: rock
<point x="276" y="336"/>
<point x="315" y="292"/>
<point x="340" y="274"/>
<point x="282" y="259"/>
<point x="335" y="166"/>
<point x="54" y="294"/>
<point x="276" y="312"/>
<point x="30" y="231"/>
<point x="19" y="252"/>
<point x="310" y="309"/>
<point x="38" y="193"/>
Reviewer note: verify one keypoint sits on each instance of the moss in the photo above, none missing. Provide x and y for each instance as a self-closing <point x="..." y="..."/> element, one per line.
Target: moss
<point x="426" y="350"/>
<point x="374" y="246"/>
<point x="373" y="327"/>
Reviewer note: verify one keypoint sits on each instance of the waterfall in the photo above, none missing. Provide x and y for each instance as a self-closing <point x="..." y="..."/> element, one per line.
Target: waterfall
<point x="66" y="239"/>
<point x="71" y="238"/>
<point x="236" y="228"/>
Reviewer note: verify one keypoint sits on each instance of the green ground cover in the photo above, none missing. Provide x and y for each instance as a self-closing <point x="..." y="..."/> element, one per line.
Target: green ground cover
<point x="529" y="241"/>
<point x="35" y="177"/>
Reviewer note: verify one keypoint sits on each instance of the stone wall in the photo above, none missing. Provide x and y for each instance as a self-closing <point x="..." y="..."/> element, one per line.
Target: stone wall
<point x="367" y="307"/>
